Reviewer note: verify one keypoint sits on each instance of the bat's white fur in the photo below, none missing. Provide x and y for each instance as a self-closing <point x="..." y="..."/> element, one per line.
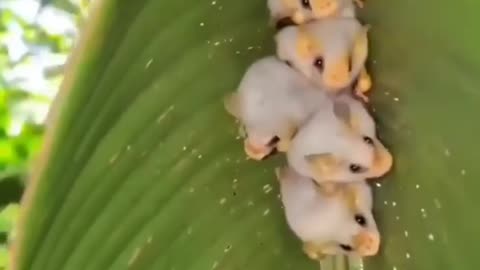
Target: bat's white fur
<point x="273" y="98"/>
<point x="325" y="133"/>
<point x="320" y="219"/>
<point x="337" y="37"/>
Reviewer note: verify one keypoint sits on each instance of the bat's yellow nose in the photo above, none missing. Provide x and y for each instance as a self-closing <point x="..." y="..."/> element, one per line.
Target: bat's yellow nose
<point x="324" y="8"/>
<point x="367" y="243"/>
<point x="338" y="76"/>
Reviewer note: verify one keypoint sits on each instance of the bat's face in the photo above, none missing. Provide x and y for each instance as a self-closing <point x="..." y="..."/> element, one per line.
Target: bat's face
<point x="330" y="52"/>
<point x="357" y="231"/>
<point x="353" y="151"/>
<point x="361" y="122"/>
<point x="341" y="223"/>
<point x="347" y="157"/>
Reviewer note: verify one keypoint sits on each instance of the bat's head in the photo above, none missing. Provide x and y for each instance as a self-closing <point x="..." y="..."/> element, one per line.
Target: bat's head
<point x="339" y="222"/>
<point x="329" y="52"/>
<point x="356" y="231"/>
<point x="362" y="123"/>
<point x="351" y="150"/>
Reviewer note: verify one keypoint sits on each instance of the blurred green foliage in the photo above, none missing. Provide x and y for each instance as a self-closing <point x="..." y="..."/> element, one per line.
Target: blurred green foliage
<point x="31" y="66"/>
<point x="8" y="217"/>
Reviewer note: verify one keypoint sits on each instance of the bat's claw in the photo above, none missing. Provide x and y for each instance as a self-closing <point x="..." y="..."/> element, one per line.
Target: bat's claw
<point x="364" y="84"/>
<point x="362" y="96"/>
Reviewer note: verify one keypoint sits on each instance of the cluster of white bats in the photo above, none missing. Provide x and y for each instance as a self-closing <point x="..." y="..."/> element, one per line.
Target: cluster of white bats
<point x="309" y="101"/>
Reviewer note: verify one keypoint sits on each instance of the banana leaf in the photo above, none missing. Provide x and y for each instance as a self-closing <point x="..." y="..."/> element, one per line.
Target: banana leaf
<point x="142" y="168"/>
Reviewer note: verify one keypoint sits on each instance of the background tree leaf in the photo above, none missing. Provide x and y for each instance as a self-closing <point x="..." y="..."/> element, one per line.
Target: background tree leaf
<point x="3" y="257"/>
<point x="8" y="216"/>
<point x="142" y="170"/>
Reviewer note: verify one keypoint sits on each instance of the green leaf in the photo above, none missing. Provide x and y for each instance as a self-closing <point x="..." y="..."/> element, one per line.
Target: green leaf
<point x="8" y="217"/>
<point x="141" y="168"/>
<point x="3" y="257"/>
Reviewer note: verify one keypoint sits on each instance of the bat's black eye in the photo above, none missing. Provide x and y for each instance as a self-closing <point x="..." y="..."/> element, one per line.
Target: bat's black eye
<point x="346" y="247"/>
<point x="361" y="220"/>
<point x="355" y="168"/>
<point x="319" y="63"/>
<point x="306" y="4"/>
<point x="368" y="140"/>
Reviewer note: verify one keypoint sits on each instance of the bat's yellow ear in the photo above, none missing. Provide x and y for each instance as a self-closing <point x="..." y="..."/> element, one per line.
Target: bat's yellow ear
<point x="383" y="161"/>
<point x="360" y="47"/>
<point x="322" y="165"/>
<point x="232" y="104"/>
